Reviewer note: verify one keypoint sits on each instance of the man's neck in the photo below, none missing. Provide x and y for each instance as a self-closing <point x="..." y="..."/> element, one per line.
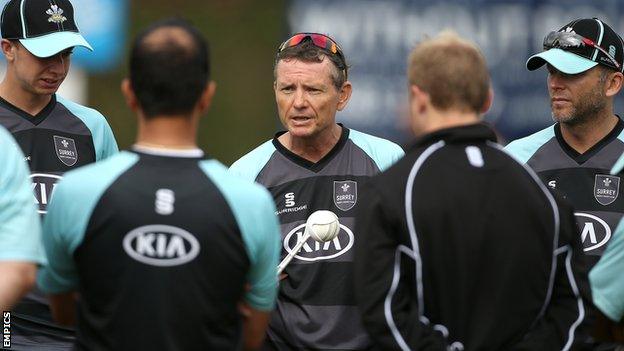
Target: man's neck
<point x="438" y="120"/>
<point x="25" y="101"/>
<point x="314" y="148"/>
<point x="168" y="132"/>
<point x="583" y="136"/>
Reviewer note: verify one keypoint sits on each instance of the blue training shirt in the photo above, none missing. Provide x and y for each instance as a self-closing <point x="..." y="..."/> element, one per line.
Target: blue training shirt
<point x="20" y="232"/>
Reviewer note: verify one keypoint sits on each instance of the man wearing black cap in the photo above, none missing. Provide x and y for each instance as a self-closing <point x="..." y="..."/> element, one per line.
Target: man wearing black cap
<point x="56" y="135"/>
<point x="574" y="156"/>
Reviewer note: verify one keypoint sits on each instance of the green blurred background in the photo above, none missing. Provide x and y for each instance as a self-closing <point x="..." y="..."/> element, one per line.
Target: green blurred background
<point x="243" y="36"/>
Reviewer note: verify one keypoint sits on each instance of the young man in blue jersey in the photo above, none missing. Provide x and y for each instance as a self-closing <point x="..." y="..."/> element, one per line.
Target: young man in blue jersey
<point x="315" y="164"/>
<point x="163" y="243"/>
<point x="55" y="134"/>
<point x="584" y="60"/>
<point x="19" y="225"/>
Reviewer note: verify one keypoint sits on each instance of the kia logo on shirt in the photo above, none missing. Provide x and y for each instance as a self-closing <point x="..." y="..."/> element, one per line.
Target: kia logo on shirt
<point x="161" y="245"/>
<point x="595" y="232"/>
<point x="42" y="185"/>
<point x="315" y="251"/>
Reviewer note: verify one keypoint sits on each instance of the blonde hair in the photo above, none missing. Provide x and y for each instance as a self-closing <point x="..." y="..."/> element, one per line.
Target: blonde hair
<point x="452" y="71"/>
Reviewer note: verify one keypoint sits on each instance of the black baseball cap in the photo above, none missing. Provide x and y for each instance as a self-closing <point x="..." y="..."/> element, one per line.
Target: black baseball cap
<point x="598" y="44"/>
<point x="43" y="27"/>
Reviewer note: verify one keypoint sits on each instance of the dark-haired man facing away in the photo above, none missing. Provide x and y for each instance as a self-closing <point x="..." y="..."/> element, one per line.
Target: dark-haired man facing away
<point x="315" y="164"/>
<point x="165" y="240"/>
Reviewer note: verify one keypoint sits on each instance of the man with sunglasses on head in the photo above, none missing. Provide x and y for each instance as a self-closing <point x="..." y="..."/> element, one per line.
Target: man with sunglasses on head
<point x="55" y="134"/>
<point x="574" y="157"/>
<point x="316" y="164"/>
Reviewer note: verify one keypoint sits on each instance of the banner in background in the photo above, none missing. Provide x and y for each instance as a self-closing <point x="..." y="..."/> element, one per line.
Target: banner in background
<point x="377" y="36"/>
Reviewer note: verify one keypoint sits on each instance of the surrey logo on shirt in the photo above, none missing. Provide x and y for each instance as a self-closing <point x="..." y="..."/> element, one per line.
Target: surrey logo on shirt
<point x="606" y="188"/>
<point x="345" y="194"/>
<point x="66" y="150"/>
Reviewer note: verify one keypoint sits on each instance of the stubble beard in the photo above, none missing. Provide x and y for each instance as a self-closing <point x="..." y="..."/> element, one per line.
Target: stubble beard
<point x="584" y="110"/>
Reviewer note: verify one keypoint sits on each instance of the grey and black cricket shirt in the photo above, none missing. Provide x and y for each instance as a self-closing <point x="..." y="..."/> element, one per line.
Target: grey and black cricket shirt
<point x="160" y="244"/>
<point x="316" y="304"/>
<point x="582" y="179"/>
<point x="63" y="136"/>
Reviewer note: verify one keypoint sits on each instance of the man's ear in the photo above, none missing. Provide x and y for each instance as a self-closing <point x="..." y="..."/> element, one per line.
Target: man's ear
<point x="614" y="83"/>
<point x="8" y="49"/>
<point x="488" y="102"/>
<point x="345" y="95"/>
<point x="419" y="99"/>
<point x="205" y="100"/>
<point x="129" y="96"/>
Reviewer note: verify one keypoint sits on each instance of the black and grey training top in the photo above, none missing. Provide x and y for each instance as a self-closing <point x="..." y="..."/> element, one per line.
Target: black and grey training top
<point x="463" y="248"/>
<point x="62" y="137"/>
<point x="316" y="303"/>
<point x="160" y="245"/>
<point x="582" y="179"/>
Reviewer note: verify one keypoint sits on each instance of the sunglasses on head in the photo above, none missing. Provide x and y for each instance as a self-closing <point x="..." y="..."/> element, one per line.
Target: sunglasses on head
<point x="566" y="40"/>
<point x="319" y="40"/>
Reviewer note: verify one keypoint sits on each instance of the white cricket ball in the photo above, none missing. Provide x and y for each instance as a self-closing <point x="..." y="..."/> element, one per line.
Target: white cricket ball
<point x="323" y="225"/>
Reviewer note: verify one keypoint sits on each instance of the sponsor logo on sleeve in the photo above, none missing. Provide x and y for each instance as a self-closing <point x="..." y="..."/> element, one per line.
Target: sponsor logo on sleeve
<point x="65" y="150"/>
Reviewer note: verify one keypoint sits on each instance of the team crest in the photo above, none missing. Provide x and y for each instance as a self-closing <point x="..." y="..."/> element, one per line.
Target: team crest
<point x="66" y="150"/>
<point x="345" y="194"/>
<point x="606" y="188"/>
<point x="56" y="14"/>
